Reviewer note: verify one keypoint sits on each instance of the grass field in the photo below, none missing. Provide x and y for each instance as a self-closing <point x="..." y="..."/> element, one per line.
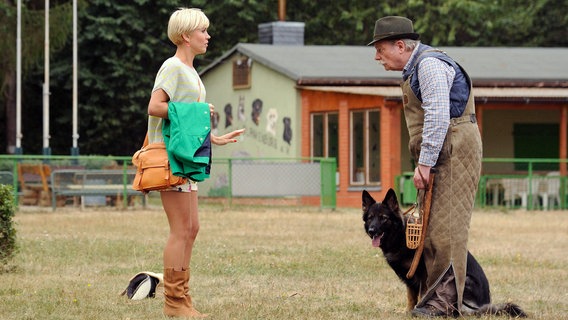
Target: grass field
<point x="263" y="263"/>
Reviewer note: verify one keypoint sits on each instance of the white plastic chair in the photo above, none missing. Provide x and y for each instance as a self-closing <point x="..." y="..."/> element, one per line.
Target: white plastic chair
<point x="515" y="188"/>
<point x="549" y="190"/>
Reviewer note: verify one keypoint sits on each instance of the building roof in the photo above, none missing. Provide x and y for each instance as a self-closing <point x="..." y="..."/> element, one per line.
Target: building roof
<point x="355" y="65"/>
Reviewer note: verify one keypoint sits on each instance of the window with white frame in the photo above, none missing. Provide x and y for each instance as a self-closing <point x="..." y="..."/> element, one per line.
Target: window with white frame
<point x="365" y="166"/>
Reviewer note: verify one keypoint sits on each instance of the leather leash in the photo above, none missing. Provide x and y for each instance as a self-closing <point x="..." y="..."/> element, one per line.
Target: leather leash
<point x="425" y="215"/>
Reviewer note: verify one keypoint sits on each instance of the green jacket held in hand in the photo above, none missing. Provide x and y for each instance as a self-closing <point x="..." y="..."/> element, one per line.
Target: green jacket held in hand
<point x="187" y="135"/>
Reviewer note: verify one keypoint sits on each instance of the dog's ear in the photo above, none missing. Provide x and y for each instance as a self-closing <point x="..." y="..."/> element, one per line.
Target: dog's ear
<point x="368" y="201"/>
<point x="391" y="201"/>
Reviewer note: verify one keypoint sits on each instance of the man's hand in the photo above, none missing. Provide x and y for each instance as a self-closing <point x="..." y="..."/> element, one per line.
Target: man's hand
<point x="421" y="176"/>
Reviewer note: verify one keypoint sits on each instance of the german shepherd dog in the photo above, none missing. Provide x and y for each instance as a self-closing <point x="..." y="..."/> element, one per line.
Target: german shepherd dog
<point x="386" y="224"/>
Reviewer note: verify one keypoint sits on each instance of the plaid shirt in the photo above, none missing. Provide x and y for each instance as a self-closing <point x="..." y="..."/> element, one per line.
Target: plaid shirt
<point x="435" y="78"/>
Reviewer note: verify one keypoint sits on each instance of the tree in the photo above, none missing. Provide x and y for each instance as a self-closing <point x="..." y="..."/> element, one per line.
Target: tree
<point x="344" y="22"/>
<point x="33" y="27"/>
<point x="489" y="23"/>
<point x="122" y="45"/>
<point x="121" y="48"/>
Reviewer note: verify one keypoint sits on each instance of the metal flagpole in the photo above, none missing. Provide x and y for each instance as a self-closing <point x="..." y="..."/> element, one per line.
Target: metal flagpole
<point x="75" y="148"/>
<point x="46" y="137"/>
<point x="18" y="149"/>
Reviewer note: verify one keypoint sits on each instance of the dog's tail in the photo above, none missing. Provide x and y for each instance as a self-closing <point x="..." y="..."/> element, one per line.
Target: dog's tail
<point x="509" y="309"/>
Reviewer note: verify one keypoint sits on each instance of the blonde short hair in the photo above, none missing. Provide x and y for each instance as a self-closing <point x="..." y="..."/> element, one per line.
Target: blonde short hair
<point x="184" y="21"/>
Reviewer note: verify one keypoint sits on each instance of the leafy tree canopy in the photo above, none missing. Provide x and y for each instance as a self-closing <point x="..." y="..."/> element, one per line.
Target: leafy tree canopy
<point x="123" y="43"/>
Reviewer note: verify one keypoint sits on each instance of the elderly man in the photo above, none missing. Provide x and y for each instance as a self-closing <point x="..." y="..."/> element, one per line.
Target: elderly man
<point x="440" y="116"/>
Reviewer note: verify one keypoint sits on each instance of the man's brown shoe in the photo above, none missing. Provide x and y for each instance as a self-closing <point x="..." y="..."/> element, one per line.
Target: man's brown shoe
<point x="428" y="312"/>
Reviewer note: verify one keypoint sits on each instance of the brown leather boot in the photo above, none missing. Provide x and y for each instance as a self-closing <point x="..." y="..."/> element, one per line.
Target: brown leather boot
<point x="175" y="303"/>
<point x="194" y="313"/>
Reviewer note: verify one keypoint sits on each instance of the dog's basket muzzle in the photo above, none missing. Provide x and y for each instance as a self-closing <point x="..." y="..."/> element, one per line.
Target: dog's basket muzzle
<point x="414" y="227"/>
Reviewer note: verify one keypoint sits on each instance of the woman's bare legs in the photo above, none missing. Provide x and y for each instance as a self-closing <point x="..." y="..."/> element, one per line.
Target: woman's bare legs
<point x="181" y="209"/>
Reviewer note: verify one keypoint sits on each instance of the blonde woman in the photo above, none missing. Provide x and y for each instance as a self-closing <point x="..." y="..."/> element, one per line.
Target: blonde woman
<point x="178" y="81"/>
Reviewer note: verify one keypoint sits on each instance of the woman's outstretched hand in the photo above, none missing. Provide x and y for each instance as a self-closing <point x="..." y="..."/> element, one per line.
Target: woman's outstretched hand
<point x="226" y="138"/>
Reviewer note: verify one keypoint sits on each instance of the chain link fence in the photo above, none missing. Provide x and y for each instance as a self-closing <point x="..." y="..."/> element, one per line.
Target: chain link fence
<point x="273" y="178"/>
<point x="529" y="184"/>
<point x="230" y="178"/>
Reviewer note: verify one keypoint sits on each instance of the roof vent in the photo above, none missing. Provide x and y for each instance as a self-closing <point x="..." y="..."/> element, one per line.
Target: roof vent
<point x="281" y="33"/>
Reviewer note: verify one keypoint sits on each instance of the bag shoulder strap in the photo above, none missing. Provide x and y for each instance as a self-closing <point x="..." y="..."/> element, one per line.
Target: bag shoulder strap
<point x="145" y="141"/>
<point x="198" y="98"/>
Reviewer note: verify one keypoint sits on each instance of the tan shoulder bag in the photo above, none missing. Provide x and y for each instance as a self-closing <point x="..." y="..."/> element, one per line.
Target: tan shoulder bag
<point x="153" y="168"/>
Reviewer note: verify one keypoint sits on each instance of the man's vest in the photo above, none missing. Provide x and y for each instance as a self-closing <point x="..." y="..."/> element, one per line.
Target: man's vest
<point x="459" y="93"/>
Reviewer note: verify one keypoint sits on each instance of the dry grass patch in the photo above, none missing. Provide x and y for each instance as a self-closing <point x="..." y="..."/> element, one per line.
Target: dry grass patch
<point x="263" y="263"/>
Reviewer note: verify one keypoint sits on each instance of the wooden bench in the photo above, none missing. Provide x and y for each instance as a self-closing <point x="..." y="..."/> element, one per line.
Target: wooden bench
<point x="33" y="179"/>
<point x="82" y="184"/>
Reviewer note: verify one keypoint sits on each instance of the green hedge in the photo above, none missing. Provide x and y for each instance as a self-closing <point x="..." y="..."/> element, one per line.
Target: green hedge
<point x="7" y="230"/>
